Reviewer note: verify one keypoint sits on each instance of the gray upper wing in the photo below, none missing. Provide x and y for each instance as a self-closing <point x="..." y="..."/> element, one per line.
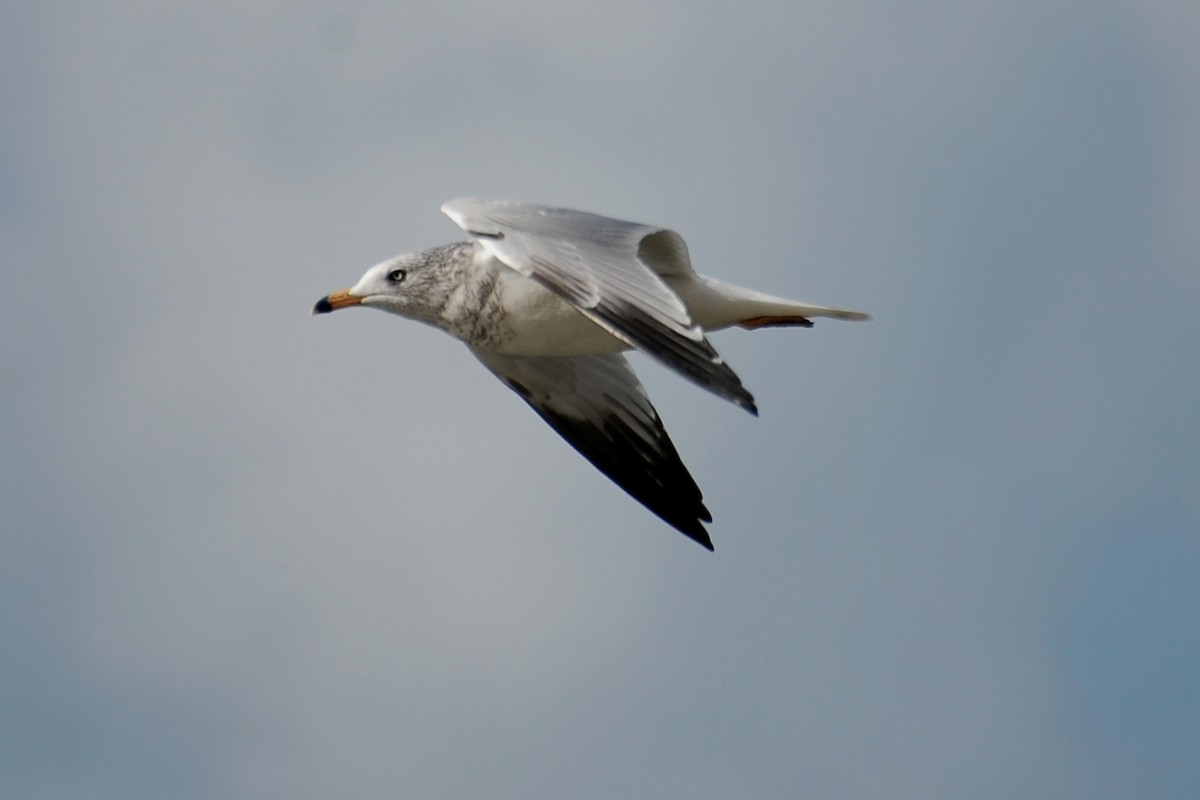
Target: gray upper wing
<point x="610" y="270"/>
<point x="597" y="404"/>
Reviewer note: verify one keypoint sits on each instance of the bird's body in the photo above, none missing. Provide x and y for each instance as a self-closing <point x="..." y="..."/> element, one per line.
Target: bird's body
<point x="495" y="308"/>
<point x="548" y="299"/>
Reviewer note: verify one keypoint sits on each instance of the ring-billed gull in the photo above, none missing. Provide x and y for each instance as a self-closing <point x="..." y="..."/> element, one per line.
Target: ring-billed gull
<point x="549" y="298"/>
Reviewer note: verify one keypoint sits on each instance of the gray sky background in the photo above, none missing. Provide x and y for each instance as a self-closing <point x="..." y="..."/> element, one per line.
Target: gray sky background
<point x="250" y="553"/>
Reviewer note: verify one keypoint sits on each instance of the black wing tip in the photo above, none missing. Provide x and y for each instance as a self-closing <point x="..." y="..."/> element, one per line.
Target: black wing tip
<point x="691" y="525"/>
<point x="743" y="399"/>
<point x="694" y="530"/>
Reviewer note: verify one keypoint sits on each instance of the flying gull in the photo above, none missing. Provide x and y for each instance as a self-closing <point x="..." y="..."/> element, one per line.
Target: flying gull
<point x="549" y="298"/>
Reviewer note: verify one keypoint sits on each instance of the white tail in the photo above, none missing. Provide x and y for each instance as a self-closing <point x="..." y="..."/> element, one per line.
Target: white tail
<point x="717" y="305"/>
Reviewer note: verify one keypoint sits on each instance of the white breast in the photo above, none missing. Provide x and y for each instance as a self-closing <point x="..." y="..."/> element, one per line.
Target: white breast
<point x="539" y="323"/>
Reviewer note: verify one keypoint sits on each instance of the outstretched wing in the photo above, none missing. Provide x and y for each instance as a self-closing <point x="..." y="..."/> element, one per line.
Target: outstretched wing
<point x="597" y="404"/>
<point x="609" y="270"/>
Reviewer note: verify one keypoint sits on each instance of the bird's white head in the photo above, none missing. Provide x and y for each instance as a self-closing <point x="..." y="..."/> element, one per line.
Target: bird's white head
<point x="412" y="285"/>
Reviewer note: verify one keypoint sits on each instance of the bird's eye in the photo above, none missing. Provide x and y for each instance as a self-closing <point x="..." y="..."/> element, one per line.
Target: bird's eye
<point x="397" y="276"/>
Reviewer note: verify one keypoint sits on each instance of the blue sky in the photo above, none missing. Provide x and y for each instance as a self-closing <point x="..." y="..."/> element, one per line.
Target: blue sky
<point x="251" y="553"/>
